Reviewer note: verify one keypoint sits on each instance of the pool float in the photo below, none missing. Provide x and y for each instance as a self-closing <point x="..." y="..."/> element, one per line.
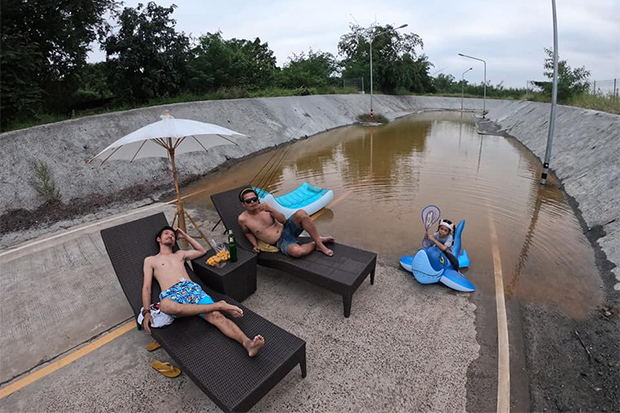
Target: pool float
<point x="307" y="197"/>
<point x="430" y="265"/>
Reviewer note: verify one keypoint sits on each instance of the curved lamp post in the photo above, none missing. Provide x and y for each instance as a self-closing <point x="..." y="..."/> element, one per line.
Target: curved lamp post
<point x="463" y="85"/>
<point x="484" y="100"/>
<point x="371" y="40"/>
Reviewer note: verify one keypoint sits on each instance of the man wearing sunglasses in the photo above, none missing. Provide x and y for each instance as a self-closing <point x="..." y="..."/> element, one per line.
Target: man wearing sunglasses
<point x="262" y="222"/>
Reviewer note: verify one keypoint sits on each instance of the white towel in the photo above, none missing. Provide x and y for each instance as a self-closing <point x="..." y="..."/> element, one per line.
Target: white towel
<point x="159" y="319"/>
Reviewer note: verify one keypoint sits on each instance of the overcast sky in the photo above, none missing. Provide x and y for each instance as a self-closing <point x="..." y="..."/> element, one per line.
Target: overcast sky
<point x="509" y="35"/>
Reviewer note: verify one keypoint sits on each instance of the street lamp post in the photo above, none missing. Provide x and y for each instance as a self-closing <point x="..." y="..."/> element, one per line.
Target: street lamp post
<point x="372" y="38"/>
<point x="484" y="99"/>
<point x="554" y="96"/>
<point x="463" y="86"/>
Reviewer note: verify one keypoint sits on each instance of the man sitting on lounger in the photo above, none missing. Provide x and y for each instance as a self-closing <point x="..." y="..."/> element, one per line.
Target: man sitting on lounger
<point x="262" y="222"/>
<point x="181" y="297"/>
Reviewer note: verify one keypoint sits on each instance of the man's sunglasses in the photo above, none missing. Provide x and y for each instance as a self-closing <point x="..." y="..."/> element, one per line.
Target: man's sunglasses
<point x="251" y="200"/>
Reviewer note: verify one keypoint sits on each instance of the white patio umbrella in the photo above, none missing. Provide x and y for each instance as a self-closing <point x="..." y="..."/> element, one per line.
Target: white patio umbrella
<point x="165" y="139"/>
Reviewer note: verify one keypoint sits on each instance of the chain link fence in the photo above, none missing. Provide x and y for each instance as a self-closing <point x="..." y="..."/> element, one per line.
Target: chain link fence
<point x="608" y="88"/>
<point x="605" y="87"/>
<point x="356" y="83"/>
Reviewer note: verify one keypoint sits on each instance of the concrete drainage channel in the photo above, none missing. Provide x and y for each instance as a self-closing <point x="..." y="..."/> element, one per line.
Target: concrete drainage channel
<point x="583" y="158"/>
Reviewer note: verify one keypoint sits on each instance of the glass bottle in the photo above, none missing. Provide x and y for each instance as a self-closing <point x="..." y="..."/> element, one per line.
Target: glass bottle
<point x="232" y="246"/>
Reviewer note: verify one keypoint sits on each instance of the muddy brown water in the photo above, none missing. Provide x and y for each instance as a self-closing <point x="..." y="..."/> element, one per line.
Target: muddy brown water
<point x="382" y="177"/>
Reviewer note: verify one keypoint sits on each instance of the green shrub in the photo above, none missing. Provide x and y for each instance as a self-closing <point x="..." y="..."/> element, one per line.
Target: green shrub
<point x="377" y="118"/>
<point x="43" y="182"/>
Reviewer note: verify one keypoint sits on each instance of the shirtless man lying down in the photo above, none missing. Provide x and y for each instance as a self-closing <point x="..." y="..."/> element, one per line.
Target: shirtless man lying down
<point x="181" y="297"/>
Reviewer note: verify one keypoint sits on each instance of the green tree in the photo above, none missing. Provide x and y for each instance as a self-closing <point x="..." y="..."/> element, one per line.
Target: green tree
<point x="94" y="91"/>
<point x="216" y="63"/>
<point x="444" y="83"/>
<point x="20" y="93"/>
<point x="571" y="82"/>
<point x="415" y="74"/>
<point x="316" y="69"/>
<point x="44" y="46"/>
<point x="147" y="58"/>
<point x="389" y="48"/>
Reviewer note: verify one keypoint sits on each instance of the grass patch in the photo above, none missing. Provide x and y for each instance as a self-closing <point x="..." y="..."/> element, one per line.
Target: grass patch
<point x="608" y="103"/>
<point x="377" y="118"/>
<point x="602" y="103"/>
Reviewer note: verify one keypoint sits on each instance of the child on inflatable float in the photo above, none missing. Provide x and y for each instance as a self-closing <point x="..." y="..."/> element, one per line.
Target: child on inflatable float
<point x="443" y="240"/>
<point x="429" y="266"/>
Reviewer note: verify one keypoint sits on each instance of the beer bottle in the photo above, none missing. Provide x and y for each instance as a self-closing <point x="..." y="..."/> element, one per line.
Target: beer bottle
<point x="232" y="246"/>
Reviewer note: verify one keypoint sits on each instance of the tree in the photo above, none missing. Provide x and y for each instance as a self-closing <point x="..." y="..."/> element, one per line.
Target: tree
<point x="44" y="46"/>
<point x="20" y="93"/>
<point x="444" y="83"/>
<point x="146" y="57"/>
<point x="415" y="74"/>
<point x="216" y="63"/>
<point x="571" y="82"/>
<point x="389" y="48"/>
<point x="316" y="69"/>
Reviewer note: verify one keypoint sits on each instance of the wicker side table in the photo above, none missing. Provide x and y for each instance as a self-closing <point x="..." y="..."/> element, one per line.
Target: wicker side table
<point x="235" y="279"/>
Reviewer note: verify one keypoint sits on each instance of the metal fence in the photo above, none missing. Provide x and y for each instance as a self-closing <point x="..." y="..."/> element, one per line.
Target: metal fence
<point x="357" y="83"/>
<point x="604" y="87"/>
<point x="610" y="87"/>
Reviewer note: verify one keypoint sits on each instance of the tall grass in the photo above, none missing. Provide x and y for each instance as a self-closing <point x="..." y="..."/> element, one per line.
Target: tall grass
<point x="603" y="103"/>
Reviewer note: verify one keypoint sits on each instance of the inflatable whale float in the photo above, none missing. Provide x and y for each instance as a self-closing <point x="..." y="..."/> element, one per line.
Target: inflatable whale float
<point x="307" y="197"/>
<point x="430" y="265"/>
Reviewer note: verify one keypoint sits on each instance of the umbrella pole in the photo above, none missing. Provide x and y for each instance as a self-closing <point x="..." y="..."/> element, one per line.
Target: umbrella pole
<point x="180" y="211"/>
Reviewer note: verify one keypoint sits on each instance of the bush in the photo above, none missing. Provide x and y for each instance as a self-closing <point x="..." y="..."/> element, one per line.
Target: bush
<point x="43" y="182"/>
<point x="377" y="118"/>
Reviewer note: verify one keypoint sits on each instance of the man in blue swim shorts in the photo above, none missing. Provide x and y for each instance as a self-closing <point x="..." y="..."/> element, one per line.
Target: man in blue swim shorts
<point x="262" y="223"/>
<point x="181" y="297"/>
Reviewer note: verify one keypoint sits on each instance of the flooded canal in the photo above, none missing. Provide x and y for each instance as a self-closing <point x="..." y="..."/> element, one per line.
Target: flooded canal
<point x="382" y="177"/>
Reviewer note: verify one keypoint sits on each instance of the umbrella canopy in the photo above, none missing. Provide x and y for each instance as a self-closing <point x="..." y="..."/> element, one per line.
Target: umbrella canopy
<point x="164" y="139"/>
<point x="159" y="138"/>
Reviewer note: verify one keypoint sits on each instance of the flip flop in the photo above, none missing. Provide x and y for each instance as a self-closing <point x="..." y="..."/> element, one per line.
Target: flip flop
<point x="153" y="346"/>
<point x="166" y="369"/>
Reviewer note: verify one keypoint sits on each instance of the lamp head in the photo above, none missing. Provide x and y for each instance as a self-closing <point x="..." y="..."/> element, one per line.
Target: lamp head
<point x="461" y="54"/>
<point x="401" y="27"/>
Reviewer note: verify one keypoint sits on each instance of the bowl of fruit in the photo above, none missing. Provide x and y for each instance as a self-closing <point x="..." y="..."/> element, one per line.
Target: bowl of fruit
<point x="222" y="255"/>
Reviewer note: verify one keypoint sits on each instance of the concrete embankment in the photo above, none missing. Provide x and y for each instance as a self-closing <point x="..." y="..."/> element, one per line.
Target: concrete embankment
<point x="585" y="151"/>
<point x="585" y="157"/>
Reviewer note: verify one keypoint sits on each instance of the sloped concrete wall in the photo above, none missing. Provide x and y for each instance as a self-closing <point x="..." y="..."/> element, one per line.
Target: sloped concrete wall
<point x="585" y="156"/>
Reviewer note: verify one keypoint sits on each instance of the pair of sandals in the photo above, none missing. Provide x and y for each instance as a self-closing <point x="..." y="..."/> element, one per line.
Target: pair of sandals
<point x="163" y="367"/>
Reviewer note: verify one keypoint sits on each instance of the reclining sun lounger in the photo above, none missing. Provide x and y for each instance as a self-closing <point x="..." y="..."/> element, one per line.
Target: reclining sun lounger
<point x="219" y="366"/>
<point x="343" y="273"/>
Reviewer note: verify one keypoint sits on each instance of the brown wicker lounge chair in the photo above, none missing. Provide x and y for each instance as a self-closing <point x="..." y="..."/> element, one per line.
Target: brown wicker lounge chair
<point x="219" y="366"/>
<point x="343" y="273"/>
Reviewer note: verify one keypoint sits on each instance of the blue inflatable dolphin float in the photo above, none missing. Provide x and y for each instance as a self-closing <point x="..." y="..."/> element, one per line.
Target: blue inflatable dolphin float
<point x="430" y="265"/>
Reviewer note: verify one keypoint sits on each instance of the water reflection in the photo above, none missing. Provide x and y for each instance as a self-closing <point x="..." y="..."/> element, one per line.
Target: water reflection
<point x="383" y="177"/>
